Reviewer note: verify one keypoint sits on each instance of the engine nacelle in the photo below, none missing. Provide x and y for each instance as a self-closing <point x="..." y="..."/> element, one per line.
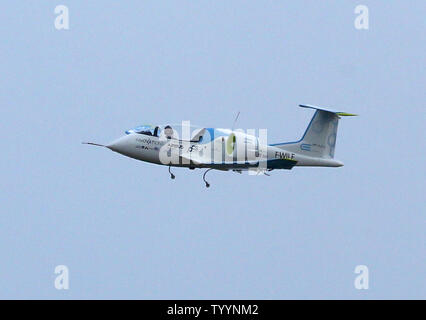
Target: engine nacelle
<point x="241" y="147"/>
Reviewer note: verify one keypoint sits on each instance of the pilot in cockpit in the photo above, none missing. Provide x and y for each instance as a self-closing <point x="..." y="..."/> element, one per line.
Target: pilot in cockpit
<point x="168" y="131"/>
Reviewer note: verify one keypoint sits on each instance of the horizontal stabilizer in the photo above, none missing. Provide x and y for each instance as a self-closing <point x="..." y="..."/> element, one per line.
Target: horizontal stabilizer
<point x="339" y="113"/>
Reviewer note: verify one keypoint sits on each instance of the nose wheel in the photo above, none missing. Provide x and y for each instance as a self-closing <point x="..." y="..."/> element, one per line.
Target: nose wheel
<point x="204" y="178"/>
<point x="172" y="176"/>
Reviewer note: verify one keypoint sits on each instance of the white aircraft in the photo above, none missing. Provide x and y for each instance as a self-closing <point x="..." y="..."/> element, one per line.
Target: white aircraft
<point x="228" y="149"/>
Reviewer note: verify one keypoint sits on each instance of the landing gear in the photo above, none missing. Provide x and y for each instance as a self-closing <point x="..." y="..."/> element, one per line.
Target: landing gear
<point x="204" y="177"/>
<point x="171" y="174"/>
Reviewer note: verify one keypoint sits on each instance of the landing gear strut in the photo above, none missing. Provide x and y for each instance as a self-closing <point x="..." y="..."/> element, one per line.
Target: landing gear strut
<point x="204" y="177"/>
<point x="171" y="174"/>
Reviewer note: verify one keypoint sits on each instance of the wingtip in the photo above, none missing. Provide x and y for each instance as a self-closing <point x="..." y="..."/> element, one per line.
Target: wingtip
<point x="346" y="114"/>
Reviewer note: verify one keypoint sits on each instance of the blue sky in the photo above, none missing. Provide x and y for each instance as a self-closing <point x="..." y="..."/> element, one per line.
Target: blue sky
<point x="126" y="230"/>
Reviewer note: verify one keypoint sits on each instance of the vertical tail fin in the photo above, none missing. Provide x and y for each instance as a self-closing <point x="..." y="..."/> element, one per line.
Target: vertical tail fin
<point x="319" y="139"/>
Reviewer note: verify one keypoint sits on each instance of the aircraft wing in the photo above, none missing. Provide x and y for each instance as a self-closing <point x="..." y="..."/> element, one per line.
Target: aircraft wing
<point x="203" y="162"/>
<point x="188" y="157"/>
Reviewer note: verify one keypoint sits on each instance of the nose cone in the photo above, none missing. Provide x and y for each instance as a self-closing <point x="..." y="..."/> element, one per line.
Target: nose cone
<point x="119" y="145"/>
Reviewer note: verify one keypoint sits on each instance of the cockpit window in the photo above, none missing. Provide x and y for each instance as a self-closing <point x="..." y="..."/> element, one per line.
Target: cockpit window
<point x="146" y="130"/>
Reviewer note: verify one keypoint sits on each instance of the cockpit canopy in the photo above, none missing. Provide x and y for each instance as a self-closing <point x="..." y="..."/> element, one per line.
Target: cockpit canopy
<point x="146" y="129"/>
<point x="176" y="131"/>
